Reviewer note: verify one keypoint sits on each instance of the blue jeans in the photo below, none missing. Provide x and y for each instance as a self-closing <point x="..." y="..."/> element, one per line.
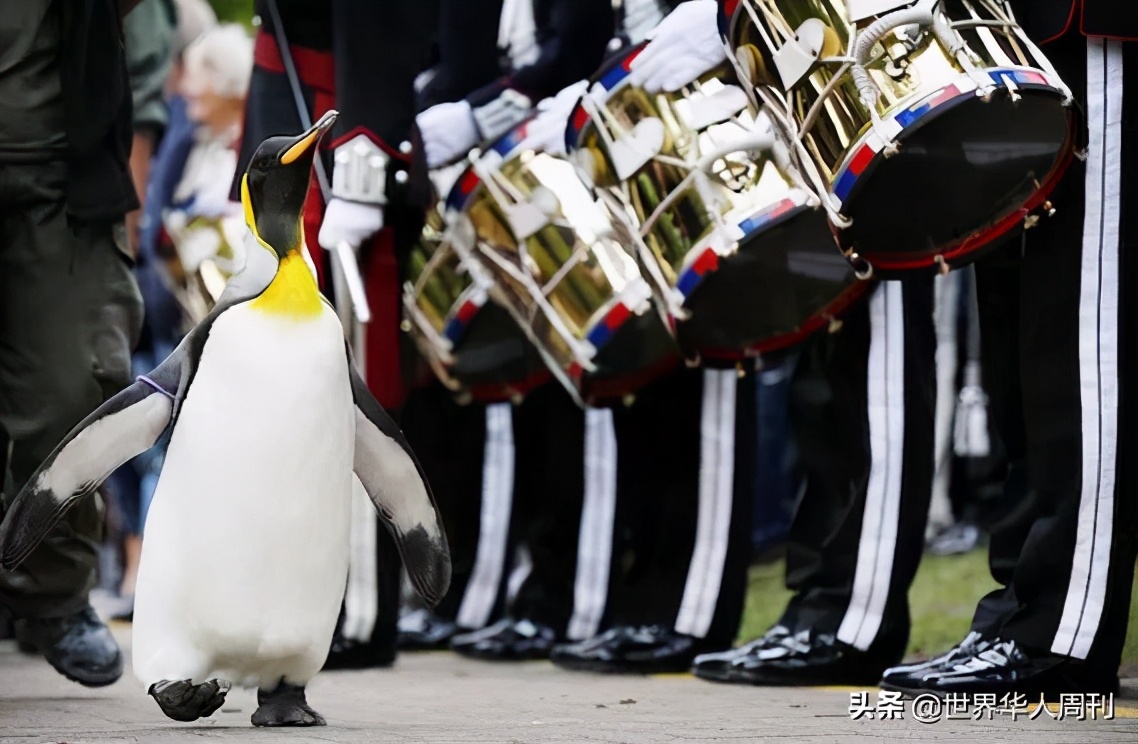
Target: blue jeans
<point x="133" y="484"/>
<point x="776" y="482"/>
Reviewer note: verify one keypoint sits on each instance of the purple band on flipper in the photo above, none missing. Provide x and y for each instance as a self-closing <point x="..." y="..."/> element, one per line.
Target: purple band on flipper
<point x="155" y="385"/>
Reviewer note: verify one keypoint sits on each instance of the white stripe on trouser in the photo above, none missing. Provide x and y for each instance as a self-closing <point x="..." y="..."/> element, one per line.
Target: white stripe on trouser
<point x="1098" y="352"/>
<point x="361" y="599"/>
<point x="594" y="541"/>
<point x="873" y="572"/>
<point x="523" y="567"/>
<point x="947" y="289"/>
<point x="716" y="487"/>
<point x="494" y="523"/>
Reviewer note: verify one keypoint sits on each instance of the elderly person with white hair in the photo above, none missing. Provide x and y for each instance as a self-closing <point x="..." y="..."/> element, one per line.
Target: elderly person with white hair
<point x="204" y="225"/>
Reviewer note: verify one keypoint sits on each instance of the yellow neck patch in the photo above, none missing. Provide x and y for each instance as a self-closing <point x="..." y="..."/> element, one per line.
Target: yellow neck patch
<point x="293" y="292"/>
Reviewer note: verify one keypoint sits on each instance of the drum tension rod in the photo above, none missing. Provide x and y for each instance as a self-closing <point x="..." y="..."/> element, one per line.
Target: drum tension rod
<point x="854" y="259"/>
<point x="1013" y="89"/>
<point x="898" y="65"/>
<point x="1035" y="216"/>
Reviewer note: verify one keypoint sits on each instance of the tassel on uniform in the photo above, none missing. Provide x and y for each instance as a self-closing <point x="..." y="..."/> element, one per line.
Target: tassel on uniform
<point x="971" y="432"/>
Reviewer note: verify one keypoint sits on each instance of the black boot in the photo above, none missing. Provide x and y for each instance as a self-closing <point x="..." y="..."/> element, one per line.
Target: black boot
<point x="79" y="646"/>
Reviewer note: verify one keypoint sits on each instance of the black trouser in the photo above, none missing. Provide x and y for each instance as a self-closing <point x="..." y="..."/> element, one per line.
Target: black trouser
<point x="611" y="517"/>
<point x="509" y="482"/>
<point x="861" y="410"/>
<point x="684" y="477"/>
<point x="549" y="486"/>
<point x="1058" y="330"/>
<point x="70" y="312"/>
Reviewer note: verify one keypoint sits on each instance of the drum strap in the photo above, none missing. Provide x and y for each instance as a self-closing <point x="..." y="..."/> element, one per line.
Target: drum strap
<point x="970" y="435"/>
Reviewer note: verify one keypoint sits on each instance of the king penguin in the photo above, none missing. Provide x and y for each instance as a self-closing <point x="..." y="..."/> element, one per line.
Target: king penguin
<point x="245" y="559"/>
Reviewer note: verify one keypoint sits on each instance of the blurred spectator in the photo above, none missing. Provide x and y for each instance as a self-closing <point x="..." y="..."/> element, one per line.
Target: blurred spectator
<point x="148" y="30"/>
<point x="777" y="480"/>
<point x="205" y="226"/>
<point x="165" y="320"/>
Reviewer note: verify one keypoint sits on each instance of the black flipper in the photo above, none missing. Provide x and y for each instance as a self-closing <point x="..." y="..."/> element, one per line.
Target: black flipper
<point x="126" y="425"/>
<point x="396" y="485"/>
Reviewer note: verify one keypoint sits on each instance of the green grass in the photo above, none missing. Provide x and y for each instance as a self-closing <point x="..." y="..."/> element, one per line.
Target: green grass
<point x="942" y="599"/>
<point x="235" y="11"/>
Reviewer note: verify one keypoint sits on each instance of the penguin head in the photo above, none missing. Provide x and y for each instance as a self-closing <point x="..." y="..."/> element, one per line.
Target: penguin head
<point x="276" y="184"/>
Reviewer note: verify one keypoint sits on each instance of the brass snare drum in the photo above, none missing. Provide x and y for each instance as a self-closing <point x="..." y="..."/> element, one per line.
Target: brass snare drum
<point x="734" y="242"/>
<point x="472" y="344"/>
<point x="929" y="127"/>
<point x="558" y="264"/>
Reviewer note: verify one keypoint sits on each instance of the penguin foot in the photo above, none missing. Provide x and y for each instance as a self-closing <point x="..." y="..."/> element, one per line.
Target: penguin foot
<point x="285" y="706"/>
<point x="184" y="701"/>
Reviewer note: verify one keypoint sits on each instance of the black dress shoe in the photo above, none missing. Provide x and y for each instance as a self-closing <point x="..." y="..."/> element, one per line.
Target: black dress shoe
<point x="626" y="650"/>
<point x="422" y="630"/>
<point x="807" y="658"/>
<point x="718" y="667"/>
<point x="568" y="655"/>
<point x="1003" y="667"/>
<point x="908" y="677"/>
<point x="506" y="640"/>
<point x="79" y="646"/>
<point x="346" y="654"/>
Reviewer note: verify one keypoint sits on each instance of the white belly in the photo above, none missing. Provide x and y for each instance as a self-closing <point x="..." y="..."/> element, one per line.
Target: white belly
<point x="245" y="556"/>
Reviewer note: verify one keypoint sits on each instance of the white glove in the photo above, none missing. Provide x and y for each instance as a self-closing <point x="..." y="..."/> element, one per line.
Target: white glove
<point x="683" y="47"/>
<point x="640" y="17"/>
<point x="448" y="131"/>
<point x="353" y="222"/>
<point x="546" y="131"/>
<point x="499" y="115"/>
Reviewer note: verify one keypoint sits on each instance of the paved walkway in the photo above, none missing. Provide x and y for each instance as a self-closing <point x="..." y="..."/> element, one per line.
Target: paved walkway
<point x="437" y="697"/>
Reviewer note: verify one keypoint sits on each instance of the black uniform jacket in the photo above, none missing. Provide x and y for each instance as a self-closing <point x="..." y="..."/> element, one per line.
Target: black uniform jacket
<point x="571" y="35"/>
<point x="378" y="48"/>
<point x="1046" y="20"/>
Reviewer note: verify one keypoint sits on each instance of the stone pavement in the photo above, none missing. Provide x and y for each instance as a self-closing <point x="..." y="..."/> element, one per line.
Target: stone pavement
<point x="437" y="697"/>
